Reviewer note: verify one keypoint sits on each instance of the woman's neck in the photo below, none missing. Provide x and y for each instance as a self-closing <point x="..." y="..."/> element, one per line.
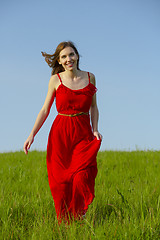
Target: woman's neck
<point x="72" y="74"/>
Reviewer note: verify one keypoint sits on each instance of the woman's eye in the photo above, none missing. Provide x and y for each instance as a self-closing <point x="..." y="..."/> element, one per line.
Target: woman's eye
<point x="63" y="56"/>
<point x="72" y="54"/>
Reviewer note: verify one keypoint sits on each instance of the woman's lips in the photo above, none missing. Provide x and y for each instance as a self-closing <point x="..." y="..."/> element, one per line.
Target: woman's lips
<point x="70" y="64"/>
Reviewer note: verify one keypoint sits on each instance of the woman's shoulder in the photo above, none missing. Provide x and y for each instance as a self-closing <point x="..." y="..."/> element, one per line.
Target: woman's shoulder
<point x="54" y="81"/>
<point x="92" y="78"/>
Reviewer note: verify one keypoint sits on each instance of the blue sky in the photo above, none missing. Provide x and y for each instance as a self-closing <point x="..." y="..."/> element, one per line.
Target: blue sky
<point x="118" y="40"/>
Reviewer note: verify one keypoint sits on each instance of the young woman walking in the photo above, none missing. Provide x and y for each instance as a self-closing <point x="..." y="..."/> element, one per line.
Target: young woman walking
<point x="73" y="143"/>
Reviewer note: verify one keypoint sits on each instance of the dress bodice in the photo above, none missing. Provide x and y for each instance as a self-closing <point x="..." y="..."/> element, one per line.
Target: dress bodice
<point x="72" y="101"/>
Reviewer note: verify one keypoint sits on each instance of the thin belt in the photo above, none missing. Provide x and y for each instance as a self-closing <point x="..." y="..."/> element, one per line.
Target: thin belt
<point x="73" y="115"/>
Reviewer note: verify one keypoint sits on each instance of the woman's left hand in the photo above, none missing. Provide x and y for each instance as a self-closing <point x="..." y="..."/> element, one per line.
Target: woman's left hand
<point x="97" y="135"/>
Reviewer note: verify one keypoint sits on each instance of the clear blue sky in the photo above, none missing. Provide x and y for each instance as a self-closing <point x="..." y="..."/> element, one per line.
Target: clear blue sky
<point x="118" y="40"/>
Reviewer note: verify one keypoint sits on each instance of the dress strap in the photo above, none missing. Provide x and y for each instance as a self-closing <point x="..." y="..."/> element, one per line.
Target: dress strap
<point x="89" y="77"/>
<point x="59" y="77"/>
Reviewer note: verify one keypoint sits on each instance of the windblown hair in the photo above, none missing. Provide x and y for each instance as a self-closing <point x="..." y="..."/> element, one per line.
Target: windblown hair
<point x="52" y="59"/>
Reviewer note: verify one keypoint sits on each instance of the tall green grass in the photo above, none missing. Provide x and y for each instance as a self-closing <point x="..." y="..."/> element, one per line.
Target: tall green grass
<point x="126" y="206"/>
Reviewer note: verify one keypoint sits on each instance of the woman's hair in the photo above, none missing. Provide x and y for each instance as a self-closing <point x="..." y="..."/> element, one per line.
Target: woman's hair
<point x="52" y="59"/>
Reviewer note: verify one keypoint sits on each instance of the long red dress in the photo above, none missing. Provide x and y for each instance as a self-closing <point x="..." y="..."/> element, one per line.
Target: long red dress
<point x="71" y="153"/>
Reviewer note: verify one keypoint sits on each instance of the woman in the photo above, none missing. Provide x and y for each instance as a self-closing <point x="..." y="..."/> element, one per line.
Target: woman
<point x="72" y="143"/>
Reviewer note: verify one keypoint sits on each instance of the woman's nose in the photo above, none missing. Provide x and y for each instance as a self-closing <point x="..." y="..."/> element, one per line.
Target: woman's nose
<point x="68" y="58"/>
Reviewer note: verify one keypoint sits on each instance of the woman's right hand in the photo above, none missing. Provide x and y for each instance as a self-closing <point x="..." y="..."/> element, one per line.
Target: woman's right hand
<point x="28" y="143"/>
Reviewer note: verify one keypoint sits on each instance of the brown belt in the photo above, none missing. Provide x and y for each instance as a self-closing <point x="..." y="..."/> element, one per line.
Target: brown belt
<point x="73" y="115"/>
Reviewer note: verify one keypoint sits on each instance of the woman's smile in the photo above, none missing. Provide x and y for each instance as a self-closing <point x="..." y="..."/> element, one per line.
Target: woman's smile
<point x="70" y="64"/>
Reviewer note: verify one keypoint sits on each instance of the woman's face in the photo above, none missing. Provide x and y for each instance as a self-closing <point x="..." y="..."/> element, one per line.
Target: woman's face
<point x="68" y="58"/>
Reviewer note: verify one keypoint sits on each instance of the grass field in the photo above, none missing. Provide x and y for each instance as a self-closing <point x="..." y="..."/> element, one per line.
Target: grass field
<point x="126" y="206"/>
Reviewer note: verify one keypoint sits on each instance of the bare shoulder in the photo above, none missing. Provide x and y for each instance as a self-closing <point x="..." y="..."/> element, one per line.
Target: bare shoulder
<point x="54" y="82"/>
<point x="92" y="78"/>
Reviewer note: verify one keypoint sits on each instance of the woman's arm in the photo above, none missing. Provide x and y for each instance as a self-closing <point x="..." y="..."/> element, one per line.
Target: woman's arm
<point x="43" y="114"/>
<point x="94" y="112"/>
<point x="94" y="117"/>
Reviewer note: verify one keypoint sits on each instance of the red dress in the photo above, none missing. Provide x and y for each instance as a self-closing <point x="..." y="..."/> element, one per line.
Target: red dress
<point x="71" y="153"/>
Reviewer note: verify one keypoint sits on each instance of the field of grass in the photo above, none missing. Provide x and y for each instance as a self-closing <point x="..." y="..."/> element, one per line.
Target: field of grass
<point x="126" y="206"/>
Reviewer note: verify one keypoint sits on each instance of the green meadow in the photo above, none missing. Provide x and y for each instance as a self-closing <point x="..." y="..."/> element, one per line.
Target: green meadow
<point x="126" y="206"/>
